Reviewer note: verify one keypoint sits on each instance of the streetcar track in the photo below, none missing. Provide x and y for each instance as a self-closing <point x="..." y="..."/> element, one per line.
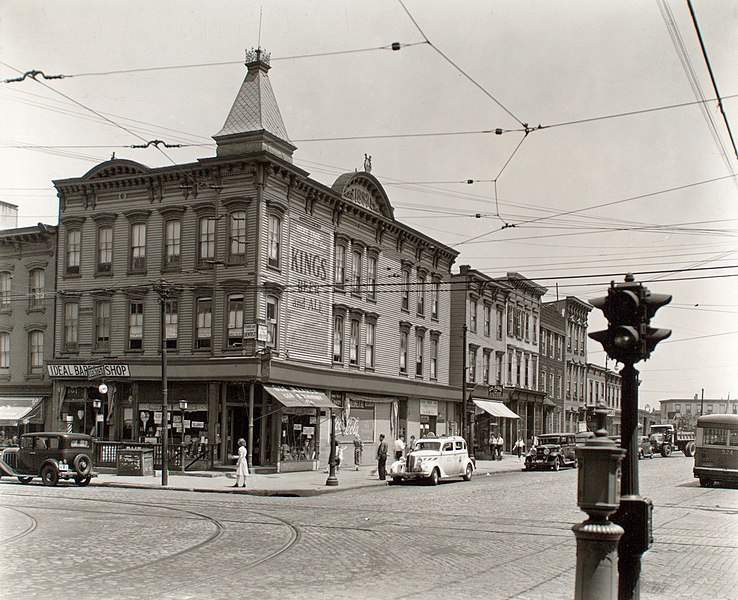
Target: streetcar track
<point x="30" y="529"/>
<point x="295" y="536"/>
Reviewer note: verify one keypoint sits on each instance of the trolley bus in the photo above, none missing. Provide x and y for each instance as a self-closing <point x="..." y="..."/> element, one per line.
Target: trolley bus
<point x="716" y="458"/>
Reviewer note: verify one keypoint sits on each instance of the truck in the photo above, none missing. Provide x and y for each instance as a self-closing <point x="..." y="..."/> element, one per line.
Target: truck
<point x="667" y="437"/>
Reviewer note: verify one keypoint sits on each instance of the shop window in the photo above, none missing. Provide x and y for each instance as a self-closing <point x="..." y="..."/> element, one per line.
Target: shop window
<point x="204" y="329"/>
<point x="104" y="249"/>
<point x="172" y="243"/>
<point x="74" y="250"/>
<point x="235" y="320"/>
<point x="135" y="325"/>
<point x="102" y="325"/>
<point x="36" y="351"/>
<point x="298" y="434"/>
<point x="71" y="326"/>
<point x="36" y="285"/>
<point x="237" y="236"/>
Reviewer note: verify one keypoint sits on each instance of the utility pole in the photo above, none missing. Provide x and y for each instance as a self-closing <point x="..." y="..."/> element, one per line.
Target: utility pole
<point x="464" y="416"/>
<point x="629" y="307"/>
<point x="163" y="289"/>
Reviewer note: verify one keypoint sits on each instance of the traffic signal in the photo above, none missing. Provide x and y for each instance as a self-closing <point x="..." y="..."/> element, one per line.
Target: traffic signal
<point x="628" y="308"/>
<point x="652" y="302"/>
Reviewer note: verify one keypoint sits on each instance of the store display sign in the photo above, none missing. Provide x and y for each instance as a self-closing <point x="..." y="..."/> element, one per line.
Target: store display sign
<point x="309" y="294"/>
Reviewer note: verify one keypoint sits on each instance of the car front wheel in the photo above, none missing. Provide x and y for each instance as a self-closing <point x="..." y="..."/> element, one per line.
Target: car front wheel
<point x="433" y="479"/>
<point x="49" y="476"/>
<point x="468" y="474"/>
<point x="82" y="465"/>
<point x="556" y="465"/>
<point x="82" y="481"/>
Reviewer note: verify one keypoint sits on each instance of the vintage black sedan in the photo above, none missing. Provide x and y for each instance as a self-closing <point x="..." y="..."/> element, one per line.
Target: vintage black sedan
<point x="553" y="451"/>
<point x="51" y="456"/>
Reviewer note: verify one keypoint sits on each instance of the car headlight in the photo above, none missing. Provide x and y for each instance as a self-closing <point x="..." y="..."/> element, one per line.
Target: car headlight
<point x="546" y="451"/>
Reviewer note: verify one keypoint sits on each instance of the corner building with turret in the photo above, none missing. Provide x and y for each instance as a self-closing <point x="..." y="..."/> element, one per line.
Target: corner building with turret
<point x="279" y="300"/>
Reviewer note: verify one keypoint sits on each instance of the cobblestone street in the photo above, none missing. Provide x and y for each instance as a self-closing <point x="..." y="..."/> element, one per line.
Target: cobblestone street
<point x="507" y="535"/>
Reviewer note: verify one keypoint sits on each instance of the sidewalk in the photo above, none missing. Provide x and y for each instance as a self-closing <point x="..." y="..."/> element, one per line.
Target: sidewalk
<point x="306" y="483"/>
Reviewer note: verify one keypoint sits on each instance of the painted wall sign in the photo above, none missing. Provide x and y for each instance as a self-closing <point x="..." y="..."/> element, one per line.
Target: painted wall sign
<point x="309" y="295"/>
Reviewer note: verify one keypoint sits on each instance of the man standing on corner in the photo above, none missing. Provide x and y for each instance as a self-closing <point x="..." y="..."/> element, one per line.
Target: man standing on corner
<point x="382" y="450"/>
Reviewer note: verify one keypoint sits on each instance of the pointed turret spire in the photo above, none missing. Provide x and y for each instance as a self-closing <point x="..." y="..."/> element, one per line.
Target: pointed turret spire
<point x="255" y="122"/>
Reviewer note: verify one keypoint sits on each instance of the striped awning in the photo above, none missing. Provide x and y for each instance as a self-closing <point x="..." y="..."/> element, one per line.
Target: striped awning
<point x="294" y="397"/>
<point x="14" y="409"/>
<point x="496" y="409"/>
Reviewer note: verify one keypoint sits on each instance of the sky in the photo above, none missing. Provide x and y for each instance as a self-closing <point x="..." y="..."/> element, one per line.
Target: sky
<point x="613" y="155"/>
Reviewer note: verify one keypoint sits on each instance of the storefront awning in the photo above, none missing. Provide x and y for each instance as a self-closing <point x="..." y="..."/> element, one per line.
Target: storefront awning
<point x="13" y="409"/>
<point x="496" y="409"/>
<point x="293" y="397"/>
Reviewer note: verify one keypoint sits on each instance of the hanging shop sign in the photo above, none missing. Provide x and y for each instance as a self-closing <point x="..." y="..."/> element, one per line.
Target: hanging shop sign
<point x="83" y="371"/>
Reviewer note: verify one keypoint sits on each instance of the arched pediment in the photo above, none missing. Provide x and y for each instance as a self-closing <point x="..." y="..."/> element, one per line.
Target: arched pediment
<point x="363" y="189"/>
<point x="116" y="168"/>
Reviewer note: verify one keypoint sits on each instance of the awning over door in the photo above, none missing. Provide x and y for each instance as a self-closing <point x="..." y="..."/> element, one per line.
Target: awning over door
<point x="496" y="409"/>
<point x="16" y="408"/>
<point x="299" y="397"/>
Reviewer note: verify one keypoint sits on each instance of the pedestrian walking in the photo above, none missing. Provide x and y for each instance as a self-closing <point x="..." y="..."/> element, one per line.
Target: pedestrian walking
<point x="399" y="448"/>
<point x="358" y="451"/>
<point x="339" y="457"/>
<point x="519" y="447"/>
<point x="382" y="451"/>
<point x="492" y="446"/>
<point x="242" y="464"/>
<point x="499" y="443"/>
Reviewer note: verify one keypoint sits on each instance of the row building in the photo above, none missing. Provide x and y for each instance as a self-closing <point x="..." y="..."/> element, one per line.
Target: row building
<point x="252" y="301"/>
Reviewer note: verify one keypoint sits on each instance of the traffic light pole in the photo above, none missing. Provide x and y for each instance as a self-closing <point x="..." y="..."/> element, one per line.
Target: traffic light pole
<point x="629" y="555"/>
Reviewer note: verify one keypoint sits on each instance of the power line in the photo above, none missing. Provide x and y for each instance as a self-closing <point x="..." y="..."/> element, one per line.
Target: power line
<point x="712" y="75"/>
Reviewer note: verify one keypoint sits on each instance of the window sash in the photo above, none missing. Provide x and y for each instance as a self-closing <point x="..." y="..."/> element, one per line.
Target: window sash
<point x="338" y="339"/>
<point x="71" y="325"/>
<point x="272" y="321"/>
<point x="36" y="344"/>
<point x="104" y="248"/>
<point x="102" y="325"/>
<point x="371" y="277"/>
<point x="36" y="284"/>
<point x="74" y="249"/>
<point x="354" y="350"/>
<point x="369" y="353"/>
<point x="4" y="350"/>
<point x="340" y="274"/>
<point x="204" y="327"/>
<point x="238" y="234"/>
<point x="206" y="242"/>
<point x="173" y="242"/>
<point x="275" y="239"/>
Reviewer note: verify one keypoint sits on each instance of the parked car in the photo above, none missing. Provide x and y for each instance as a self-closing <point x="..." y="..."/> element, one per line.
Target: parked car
<point x="645" y="449"/>
<point x="433" y="459"/>
<point x="555" y="450"/>
<point x="51" y="456"/>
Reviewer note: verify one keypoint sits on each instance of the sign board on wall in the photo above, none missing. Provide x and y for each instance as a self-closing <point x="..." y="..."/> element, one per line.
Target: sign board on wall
<point x="309" y="295"/>
<point x="98" y="371"/>
<point x="429" y="407"/>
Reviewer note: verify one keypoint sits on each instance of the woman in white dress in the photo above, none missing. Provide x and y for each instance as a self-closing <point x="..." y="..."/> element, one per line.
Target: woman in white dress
<point x="242" y="465"/>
